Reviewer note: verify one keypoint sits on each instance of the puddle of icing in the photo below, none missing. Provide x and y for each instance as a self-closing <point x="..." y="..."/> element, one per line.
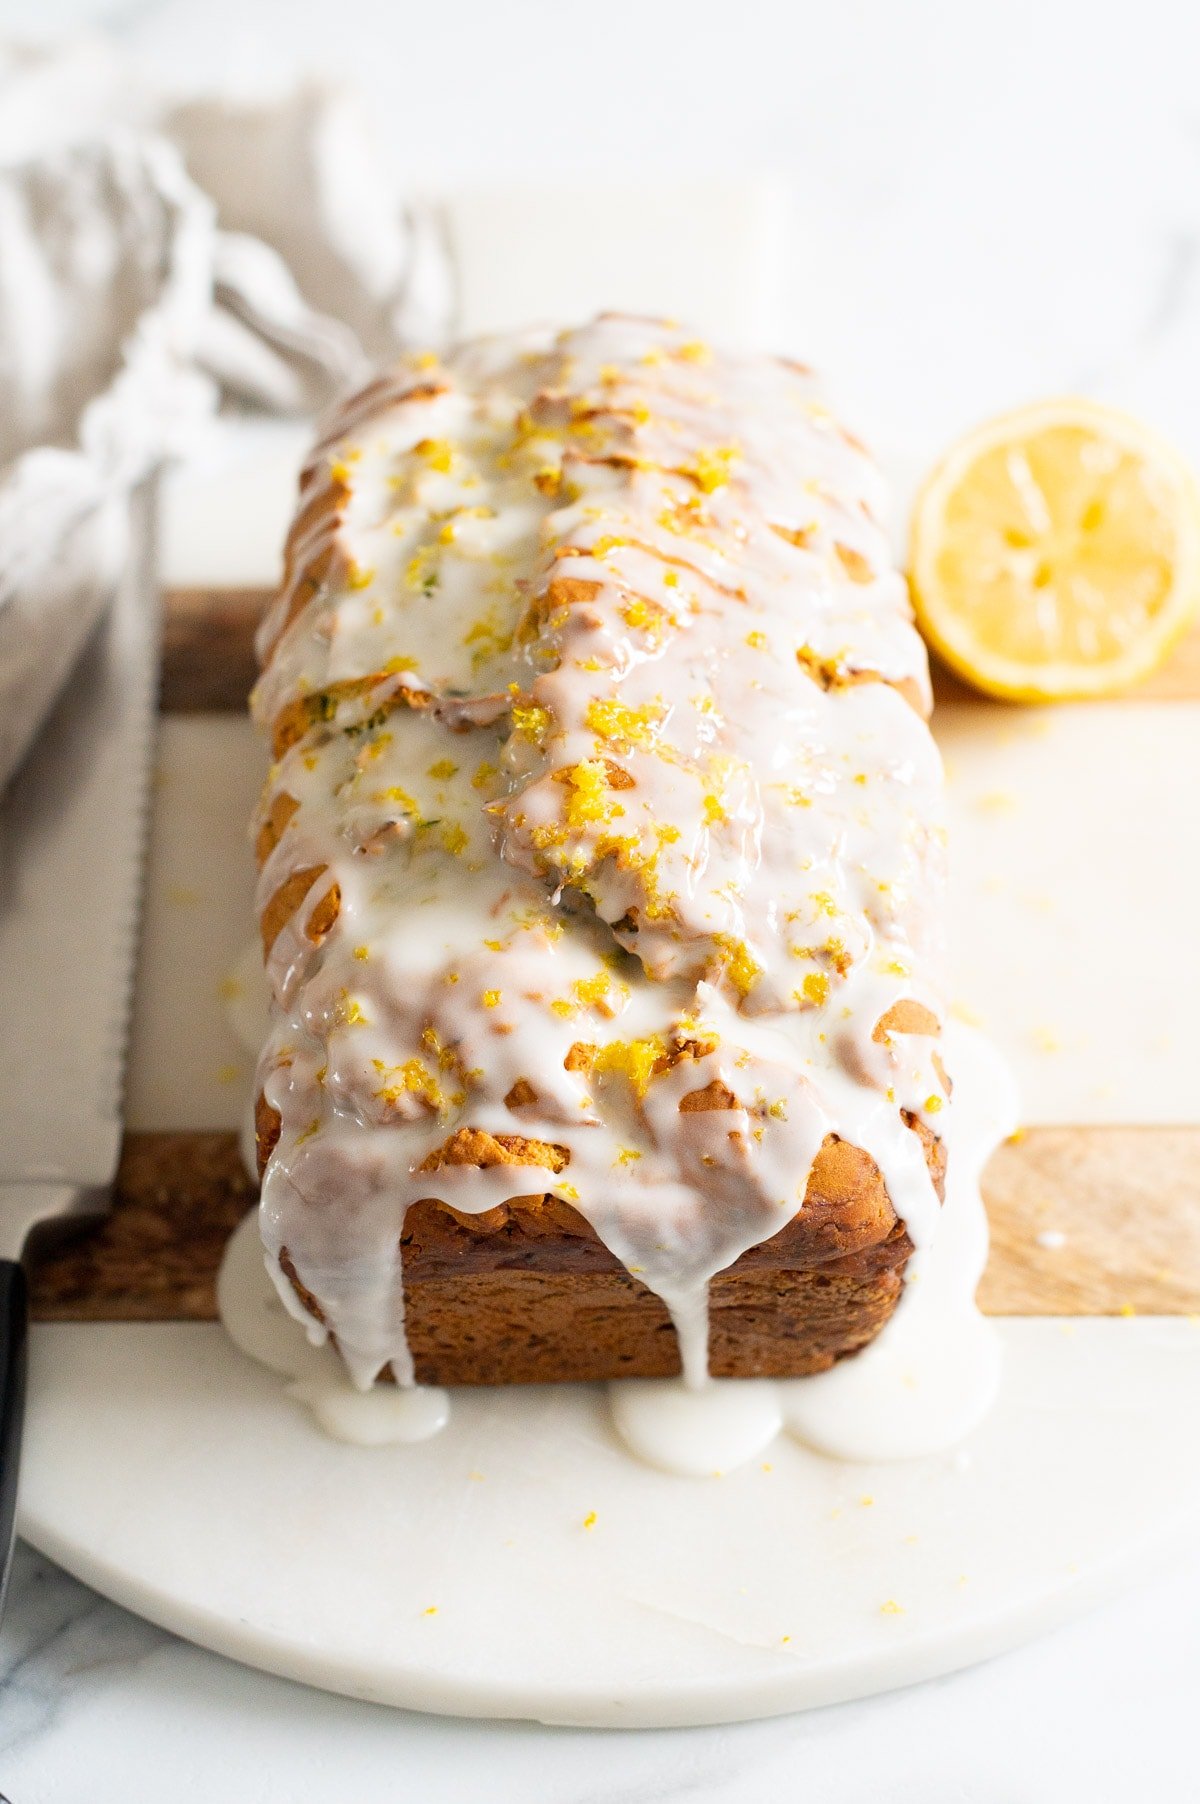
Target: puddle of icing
<point x="695" y="1433"/>
<point x="380" y="1417"/>
<point x="257" y="1321"/>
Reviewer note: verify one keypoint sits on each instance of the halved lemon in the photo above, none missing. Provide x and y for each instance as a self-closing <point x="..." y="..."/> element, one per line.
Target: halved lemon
<point x="1056" y="552"/>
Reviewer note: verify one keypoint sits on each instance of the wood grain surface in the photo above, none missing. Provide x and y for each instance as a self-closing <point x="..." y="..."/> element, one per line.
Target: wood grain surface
<point x="209" y="665"/>
<point x="1126" y="1202"/>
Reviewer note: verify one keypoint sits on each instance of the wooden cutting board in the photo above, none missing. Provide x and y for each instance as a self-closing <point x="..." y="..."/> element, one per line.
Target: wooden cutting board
<point x="1095" y="1220"/>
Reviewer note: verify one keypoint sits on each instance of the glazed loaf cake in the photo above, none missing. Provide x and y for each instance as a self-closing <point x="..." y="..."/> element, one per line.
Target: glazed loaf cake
<point x="601" y="874"/>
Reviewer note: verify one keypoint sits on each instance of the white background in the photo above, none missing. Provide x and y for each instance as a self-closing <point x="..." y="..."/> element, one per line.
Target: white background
<point x="987" y="203"/>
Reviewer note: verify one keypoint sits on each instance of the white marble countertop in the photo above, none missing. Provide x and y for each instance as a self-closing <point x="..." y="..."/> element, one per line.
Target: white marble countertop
<point x="984" y="204"/>
<point x="96" y="1706"/>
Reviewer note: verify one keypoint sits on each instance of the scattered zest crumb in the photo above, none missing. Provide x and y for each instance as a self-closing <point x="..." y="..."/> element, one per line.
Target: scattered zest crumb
<point x="589" y="1520"/>
<point x="891" y="1608"/>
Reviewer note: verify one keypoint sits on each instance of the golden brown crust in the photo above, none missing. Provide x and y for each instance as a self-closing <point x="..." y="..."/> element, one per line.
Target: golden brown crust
<point x="283" y="807"/>
<point x="268" y="1123"/>
<point x="287" y="899"/>
<point x="526" y="1293"/>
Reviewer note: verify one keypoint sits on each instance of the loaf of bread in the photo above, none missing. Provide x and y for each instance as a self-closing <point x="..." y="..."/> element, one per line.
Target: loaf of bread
<point x="602" y="868"/>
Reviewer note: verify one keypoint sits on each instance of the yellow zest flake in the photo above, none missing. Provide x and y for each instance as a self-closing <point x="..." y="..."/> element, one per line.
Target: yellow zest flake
<point x="454" y="838"/>
<point x="646" y="616"/>
<point x="314" y="1127"/>
<point x="592" y="990"/>
<point x="605" y="543"/>
<point x="778" y="1110"/>
<point x="710" y="470"/>
<point x="562" y="1008"/>
<point x="652" y="357"/>
<point x="714" y="811"/>
<point x="825" y="902"/>
<point x="443" y="770"/>
<point x="891" y="1608"/>
<point x="757" y="641"/>
<point x="483" y="775"/>
<point x="421" y="572"/>
<point x="373" y="749"/>
<point x="617" y="721"/>
<point x="395" y="666"/>
<point x="361" y="952"/>
<point x="412" y="1078"/>
<point x="437" y="452"/>
<point x="360" y="577"/>
<point x="590" y="799"/>
<point x="816" y="988"/>
<point x="494" y="945"/>
<point x="838" y="955"/>
<point x="528" y="719"/>
<point x="448" y="533"/>
<point x="488" y="636"/>
<point x="350" y="1013"/>
<point x="628" y="1155"/>
<point x="400" y="796"/>
<point x="695" y="351"/>
<point x="739" y="963"/>
<point x="490" y="999"/>
<point x="568" y="1191"/>
<point x="932" y="1104"/>
<point x="671" y="579"/>
<point x="590" y="1519"/>
<point x="634" y="1060"/>
<point x="895" y="967"/>
<point x="452" y="976"/>
<point x="547" y="479"/>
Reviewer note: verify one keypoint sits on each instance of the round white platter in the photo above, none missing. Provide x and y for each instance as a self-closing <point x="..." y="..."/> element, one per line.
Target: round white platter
<point x="521" y="1564"/>
<point x="174" y="1474"/>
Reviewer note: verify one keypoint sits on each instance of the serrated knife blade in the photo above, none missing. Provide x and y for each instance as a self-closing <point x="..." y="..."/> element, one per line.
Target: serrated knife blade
<point x="72" y="840"/>
<point x="72" y="846"/>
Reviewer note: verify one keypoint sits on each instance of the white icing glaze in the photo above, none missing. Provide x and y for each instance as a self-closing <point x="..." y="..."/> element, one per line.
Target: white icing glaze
<point x="593" y="656"/>
<point x="921" y="1386"/>
<point x="256" y="1320"/>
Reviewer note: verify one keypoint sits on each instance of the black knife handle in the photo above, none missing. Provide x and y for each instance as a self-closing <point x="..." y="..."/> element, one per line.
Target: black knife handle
<point x="14" y="1360"/>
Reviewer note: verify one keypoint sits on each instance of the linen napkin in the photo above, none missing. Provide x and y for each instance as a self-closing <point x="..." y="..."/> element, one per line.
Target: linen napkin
<point x="154" y="260"/>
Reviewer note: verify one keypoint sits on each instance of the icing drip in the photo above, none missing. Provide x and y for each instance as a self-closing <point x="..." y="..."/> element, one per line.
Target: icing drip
<point x="604" y="835"/>
<point x="921" y="1386"/>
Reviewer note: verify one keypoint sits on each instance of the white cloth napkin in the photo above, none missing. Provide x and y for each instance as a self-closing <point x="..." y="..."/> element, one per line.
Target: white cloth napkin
<point x="153" y="259"/>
